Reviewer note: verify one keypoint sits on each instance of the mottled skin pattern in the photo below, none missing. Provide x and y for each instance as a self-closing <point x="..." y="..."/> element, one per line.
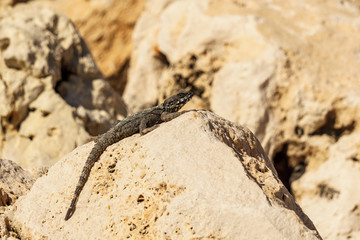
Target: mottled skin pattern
<point x="141" y="122"/>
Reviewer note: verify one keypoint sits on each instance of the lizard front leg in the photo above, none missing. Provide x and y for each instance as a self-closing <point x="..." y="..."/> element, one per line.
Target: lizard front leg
<point x="167" y="116"/>
<point x="164" y="117"/>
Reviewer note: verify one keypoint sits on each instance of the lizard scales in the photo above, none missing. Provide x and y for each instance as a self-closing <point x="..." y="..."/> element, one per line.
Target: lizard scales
<point x="141" y="122"/>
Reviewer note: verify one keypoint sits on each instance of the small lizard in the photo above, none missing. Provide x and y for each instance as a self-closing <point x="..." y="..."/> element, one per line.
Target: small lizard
<point x="141" y="122"/>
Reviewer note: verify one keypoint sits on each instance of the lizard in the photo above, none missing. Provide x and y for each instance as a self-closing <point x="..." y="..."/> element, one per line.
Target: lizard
<point x="141" y="122"/>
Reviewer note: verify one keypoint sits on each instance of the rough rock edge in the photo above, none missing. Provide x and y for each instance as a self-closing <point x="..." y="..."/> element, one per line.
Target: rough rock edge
<point x="261" y="171"/>
<point x="7" y="231"/>
<point x="14" y="182"/>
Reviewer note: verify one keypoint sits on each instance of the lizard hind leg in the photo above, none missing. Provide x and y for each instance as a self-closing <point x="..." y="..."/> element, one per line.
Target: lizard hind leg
<point x="167" y="116"/>
<point x="97" y="138"/>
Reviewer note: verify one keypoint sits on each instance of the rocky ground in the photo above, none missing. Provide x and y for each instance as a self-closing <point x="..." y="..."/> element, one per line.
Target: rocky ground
<point x="287" y="70"/>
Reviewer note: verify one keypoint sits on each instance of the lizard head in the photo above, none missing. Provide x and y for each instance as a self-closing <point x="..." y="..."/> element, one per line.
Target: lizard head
<point x="175" y="102"/>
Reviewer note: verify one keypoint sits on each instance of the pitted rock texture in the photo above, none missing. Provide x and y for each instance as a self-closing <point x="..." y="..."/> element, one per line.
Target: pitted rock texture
<point x="52" y="95"/>
<point x="197" y="176"/>
<point x="6" y="231"/>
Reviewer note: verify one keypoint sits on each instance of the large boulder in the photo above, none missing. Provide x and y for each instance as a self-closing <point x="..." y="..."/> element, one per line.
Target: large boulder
<point x="196" y="177"/>
<point x="52" y="95"/>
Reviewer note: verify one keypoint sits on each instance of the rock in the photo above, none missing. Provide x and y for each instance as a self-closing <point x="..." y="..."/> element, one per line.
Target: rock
<point x="52" y="94"/>
<point x="6" y="232"/>
<point x="156" y="65"/>
<point x="328" y="192"/>
<point x="9" y="3"/>
<point x="288" y="71"/>
<point x="14" y="182"/>
<point x="110" y="42"/>
<point x="172" y="52"/>
<point x="229" y="99"/>
<point x="197" y="176"/>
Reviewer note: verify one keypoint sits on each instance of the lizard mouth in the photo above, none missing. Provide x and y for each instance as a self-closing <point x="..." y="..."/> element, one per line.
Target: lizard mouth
<point x="186" y="98"/>
<point x="189" y="96"/>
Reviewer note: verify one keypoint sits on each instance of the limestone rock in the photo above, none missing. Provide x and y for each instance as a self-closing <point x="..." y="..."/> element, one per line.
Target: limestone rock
<point x="180" y="45"/>
<point x="52" y="95"/>
<point x="6" y="232"/>
<point x="329" y="191"/>
<point x="110" y="42"/>
<point x="14" y="182"/>
<point x="9" y="3"/>
<point x="198" y="176"/>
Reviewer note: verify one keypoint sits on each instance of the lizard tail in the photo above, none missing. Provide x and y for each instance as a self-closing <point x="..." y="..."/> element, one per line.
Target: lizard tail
<point x="82" y="180"/>
<point x="71" y="209"/>
<point x="94" y="155"/>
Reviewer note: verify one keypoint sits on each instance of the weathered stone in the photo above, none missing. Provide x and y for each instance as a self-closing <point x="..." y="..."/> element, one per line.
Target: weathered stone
<point x="111" y="41"/>
<point x="10" y="3"/>
<point x="6" y="232"/>
<point x="234" y="98"/>
<point x="174" y="52"/>
<point x="47" y="77"/>
<point x="197" y="176"/>
<point x="14" y="182"/>
<point x="329" y="191"/>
